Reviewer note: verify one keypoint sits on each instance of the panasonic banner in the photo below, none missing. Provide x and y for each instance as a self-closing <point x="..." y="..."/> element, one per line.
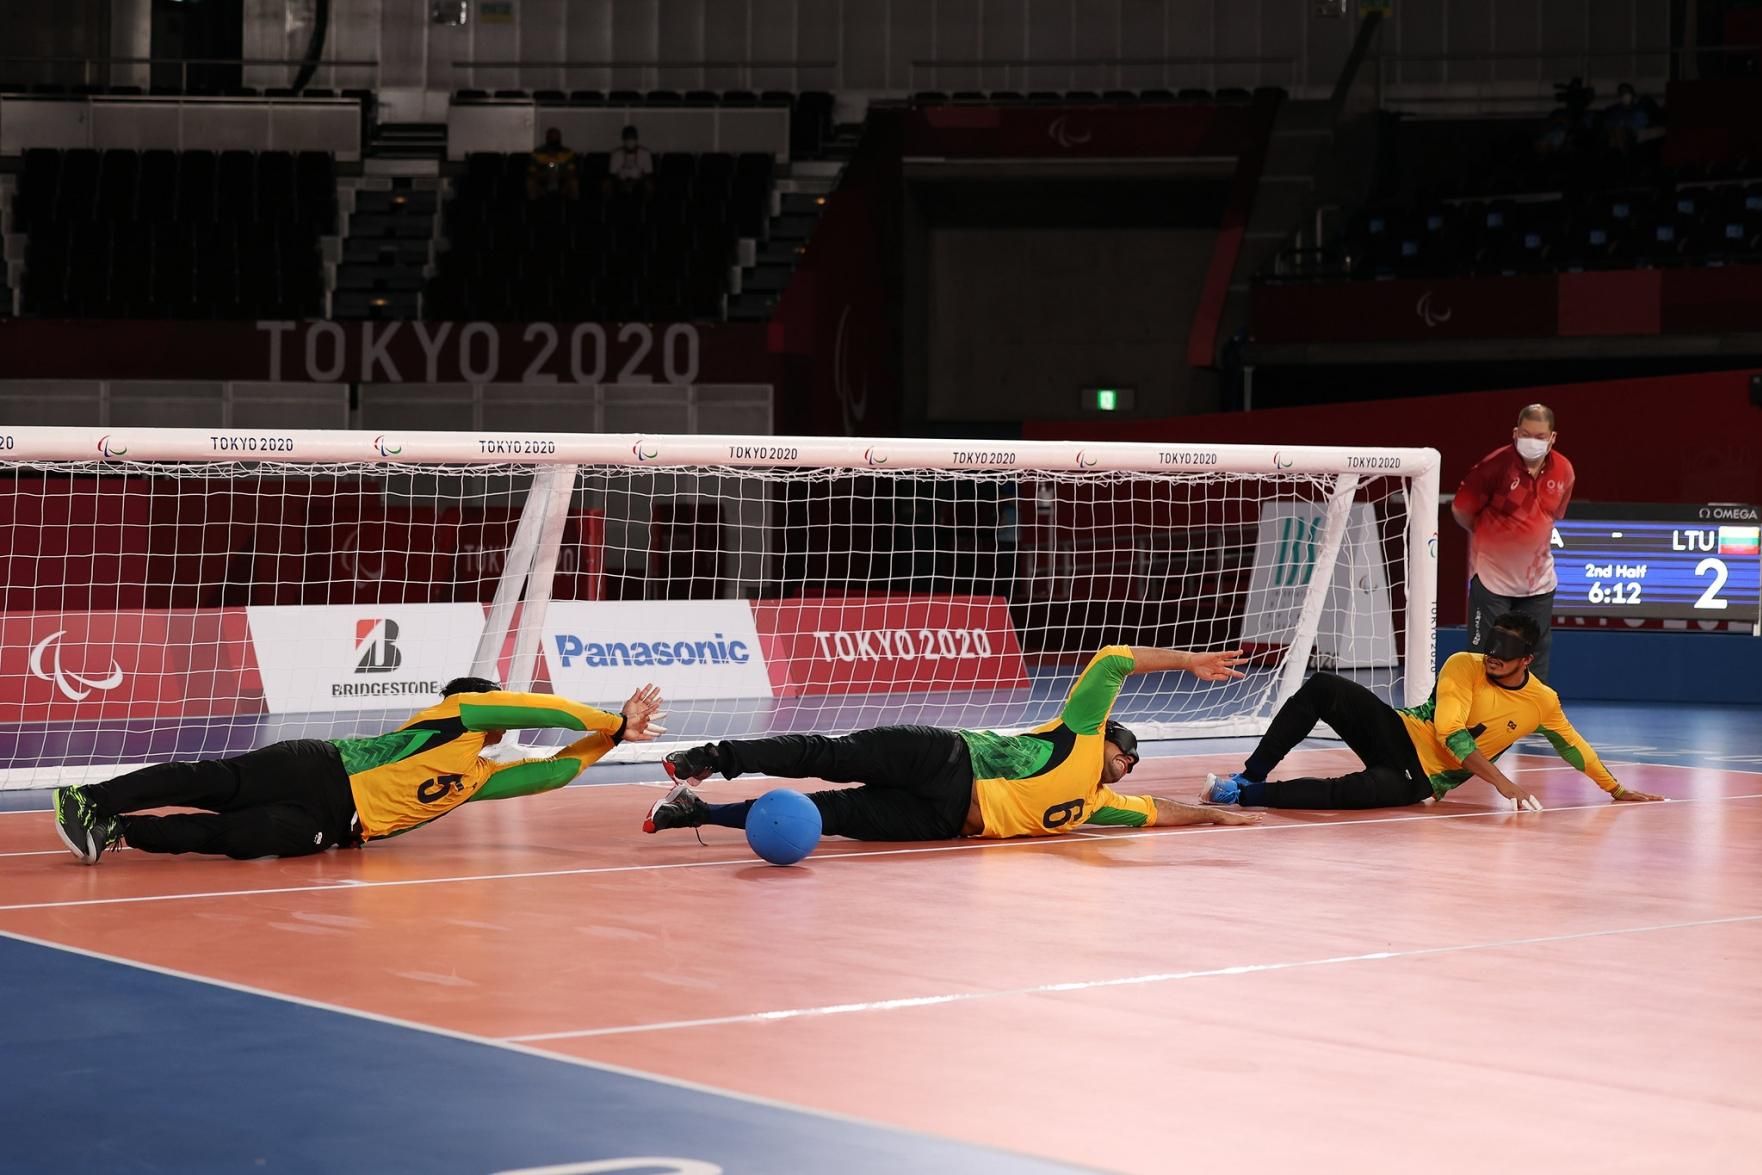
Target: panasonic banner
<point x="599" y="651"/>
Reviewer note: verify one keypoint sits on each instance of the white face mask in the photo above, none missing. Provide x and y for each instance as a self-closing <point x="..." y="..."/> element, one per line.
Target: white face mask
<point x="1531" y="448"/>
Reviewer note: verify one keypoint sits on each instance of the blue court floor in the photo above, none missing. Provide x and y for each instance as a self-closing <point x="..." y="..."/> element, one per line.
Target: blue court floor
<point x="115" y="1067"/>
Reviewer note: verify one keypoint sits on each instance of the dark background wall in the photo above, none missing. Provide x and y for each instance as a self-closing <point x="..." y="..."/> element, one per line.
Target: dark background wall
<point x="1023" y="319"/>
<point x="52" y="28"/>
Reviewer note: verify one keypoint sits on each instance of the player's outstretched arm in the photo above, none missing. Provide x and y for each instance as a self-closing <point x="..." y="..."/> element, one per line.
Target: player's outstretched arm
<point x="1173" y="812"/>
<point x="1218" y="666"/>
<point x="1570" y="745"/>
<point x="509" y="710"/>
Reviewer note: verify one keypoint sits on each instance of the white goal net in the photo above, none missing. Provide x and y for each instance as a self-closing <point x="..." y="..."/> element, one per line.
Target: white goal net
<point x="180" y="594"/>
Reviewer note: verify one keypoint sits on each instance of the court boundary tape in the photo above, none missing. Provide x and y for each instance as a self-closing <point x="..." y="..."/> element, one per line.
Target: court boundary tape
<point x="514" y="1046"/>
<point x="1117" y="981"/>
<point x="965" y="845"/>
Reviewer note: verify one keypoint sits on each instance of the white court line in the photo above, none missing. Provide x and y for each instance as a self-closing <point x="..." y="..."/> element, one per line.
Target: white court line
<point x="1118" y="981"/>
<point x="965" y="846"/>
<point x="527" y="1050"/>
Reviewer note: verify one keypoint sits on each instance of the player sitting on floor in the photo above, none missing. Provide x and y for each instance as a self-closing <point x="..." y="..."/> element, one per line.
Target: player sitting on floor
<point x="305" y="795"/>
<point x="1480" y="706"/>
<point x="926" y="783"/>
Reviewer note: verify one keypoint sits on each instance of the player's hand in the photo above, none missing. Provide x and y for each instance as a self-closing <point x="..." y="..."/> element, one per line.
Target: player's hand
<point x="1216" y="666"/>
<point x="1524" y="801"/>
<point x="1628" y="794"/>
<point x="1235" y="816"/>
<point x="641" y="713"/>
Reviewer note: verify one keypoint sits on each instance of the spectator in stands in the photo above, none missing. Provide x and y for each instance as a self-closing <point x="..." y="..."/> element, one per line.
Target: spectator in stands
<point x="1624" y="122"/>
<point x="553" y="170"/>
<point x="1509" y="503"/>
<point x="632" y="168"/>
<point x="1555" y="136"/>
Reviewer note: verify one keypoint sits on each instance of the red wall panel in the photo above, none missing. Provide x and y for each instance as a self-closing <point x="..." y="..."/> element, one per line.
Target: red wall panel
<point x="1683" y="438"/>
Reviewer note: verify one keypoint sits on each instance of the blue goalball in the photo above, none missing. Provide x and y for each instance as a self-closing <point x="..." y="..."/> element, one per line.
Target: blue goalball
<point x="783" y="826"/>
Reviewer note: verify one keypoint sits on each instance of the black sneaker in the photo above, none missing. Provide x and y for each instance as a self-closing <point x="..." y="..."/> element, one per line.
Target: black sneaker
<point x="694" y="764"/>
<point x="679" y="808"/>
<point x="107" y="833"/>
<point x="85" y="833"/>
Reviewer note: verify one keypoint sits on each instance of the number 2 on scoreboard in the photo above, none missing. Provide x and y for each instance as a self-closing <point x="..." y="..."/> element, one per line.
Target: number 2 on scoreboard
<point x="1710" y="597"/>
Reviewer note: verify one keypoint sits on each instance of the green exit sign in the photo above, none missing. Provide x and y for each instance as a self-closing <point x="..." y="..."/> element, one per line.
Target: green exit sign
<point x="1108" y="399"/>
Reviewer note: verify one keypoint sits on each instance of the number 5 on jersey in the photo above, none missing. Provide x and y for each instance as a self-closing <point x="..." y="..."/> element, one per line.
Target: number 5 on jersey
<point x="430" y="790"/>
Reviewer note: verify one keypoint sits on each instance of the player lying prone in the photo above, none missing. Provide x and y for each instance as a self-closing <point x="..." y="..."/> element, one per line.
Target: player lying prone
<point x="928" y="783"/>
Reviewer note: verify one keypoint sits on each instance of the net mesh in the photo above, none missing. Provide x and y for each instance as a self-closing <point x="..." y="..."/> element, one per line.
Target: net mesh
<point x="154" y="611"/>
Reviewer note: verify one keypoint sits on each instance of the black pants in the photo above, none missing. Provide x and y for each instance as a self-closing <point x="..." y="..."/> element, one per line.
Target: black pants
<point x="1484" y="607"/>
<point x="917" y="780"/>
<point x="284" y="800"/>
<point x="1391" y="777"/>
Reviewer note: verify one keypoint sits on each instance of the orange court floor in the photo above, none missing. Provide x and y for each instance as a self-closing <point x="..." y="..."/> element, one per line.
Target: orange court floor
<point x="1452" y="987"/>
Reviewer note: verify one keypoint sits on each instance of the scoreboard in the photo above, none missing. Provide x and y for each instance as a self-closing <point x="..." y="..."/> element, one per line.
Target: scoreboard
<point x="1667" y="562"/>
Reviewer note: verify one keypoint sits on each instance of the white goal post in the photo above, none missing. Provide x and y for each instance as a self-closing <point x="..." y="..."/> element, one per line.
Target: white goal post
<point x="186" y="593"/>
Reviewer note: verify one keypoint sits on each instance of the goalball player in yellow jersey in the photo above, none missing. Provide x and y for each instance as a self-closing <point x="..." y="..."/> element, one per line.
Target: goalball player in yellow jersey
<point x="305" y="795"/>
<point x="1481" y="705"/>
<point x="927" y="783"/>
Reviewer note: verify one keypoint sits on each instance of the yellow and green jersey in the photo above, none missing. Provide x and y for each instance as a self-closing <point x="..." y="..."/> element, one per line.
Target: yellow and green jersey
<point x="1048" y="781"/>
<point x="434" y="762"/>
<point x="1468" y="712"/>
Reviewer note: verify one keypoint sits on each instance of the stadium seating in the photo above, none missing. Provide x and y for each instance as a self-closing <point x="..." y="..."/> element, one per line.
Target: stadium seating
<point x="665" y="255"/>
<point x="1705" y="223"/>
<point x="1116" y="97"/>
<point x="163" y="234"/>
<point x="1502" y="196"/>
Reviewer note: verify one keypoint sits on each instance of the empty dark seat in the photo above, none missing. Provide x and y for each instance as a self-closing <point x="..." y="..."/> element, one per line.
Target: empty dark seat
<point x="117" y="176"/>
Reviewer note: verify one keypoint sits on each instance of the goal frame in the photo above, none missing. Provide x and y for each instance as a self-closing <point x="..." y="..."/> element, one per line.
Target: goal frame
<point x="557" y="458"/>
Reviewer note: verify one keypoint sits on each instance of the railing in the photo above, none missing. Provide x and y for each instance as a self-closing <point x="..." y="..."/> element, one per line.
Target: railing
<point x="90" y="67"/>
<point x="649" y="75"/>
<point x="1519" y="79"/>
<point x="1105" y="72"/>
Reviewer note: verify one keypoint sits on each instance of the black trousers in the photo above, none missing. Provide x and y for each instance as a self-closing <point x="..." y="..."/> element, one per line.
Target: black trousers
<point x="1484" y="607"/>
<point x="1391" y="777"/>
<point x="284" y="800"/>
<point x="917" y="780"/>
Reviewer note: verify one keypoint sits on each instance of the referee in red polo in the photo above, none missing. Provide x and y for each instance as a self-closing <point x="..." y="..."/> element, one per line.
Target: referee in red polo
<point x="1509" y="503"/>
